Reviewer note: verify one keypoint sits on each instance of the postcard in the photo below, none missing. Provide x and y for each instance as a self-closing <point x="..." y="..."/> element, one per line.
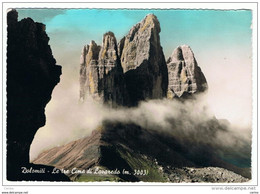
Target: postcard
<point x="130" y="94"/>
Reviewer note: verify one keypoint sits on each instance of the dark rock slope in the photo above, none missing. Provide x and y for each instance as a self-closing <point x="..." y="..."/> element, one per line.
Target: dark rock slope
<point x="128" y="147"/>
<point x="185" y="76"/>
<point x="32" y="74"/>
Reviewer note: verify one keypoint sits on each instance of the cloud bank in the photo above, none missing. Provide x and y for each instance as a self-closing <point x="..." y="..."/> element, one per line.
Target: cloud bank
<point x="192" y="123"/>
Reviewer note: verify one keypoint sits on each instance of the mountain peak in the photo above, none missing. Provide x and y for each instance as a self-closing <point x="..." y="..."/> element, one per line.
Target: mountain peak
<point x="150" y="21"/>
<point x="109" y="33"/>
<point x="130" y="65"/>
<point x="101" y="72"/>
<point x="185" y="76"/>
<point x="144" y="75"/>
<point x="92" y="42"/>
<point x="183" y="53"/>
<point x="12" y="16"/>
<point x="151" y="18"/>
<point x="109" y="46"/>
<point x="143" y="61"/>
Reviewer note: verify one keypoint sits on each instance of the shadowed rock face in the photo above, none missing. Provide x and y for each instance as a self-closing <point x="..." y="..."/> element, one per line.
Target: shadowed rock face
<point x="101" y="75"/>
<point x="32" y="74"/>
<point x="185" y="76"/>
<point x="143" y="61"/>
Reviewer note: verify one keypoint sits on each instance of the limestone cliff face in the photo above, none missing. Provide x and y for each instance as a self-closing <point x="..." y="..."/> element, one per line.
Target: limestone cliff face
<point x="32" y="74"/>
<point x="89" y="71"/>
<point x="101" y="75"/>
<point x="136" y="69"/>
<point x="185" y="76"/>
<point x="143" y="61"/>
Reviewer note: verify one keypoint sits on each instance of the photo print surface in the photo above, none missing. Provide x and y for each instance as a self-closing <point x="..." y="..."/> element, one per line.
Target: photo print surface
<point x="129" y="95"/>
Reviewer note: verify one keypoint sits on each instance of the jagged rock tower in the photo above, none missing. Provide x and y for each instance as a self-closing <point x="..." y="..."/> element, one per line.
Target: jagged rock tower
<point x="185" y="76"/>
<point x="89" y="70"/>
<point x="143" y="61"/>
<point x="136" y="69"/>
<point x="101" y="75"/>
<point x="32" y="74"/>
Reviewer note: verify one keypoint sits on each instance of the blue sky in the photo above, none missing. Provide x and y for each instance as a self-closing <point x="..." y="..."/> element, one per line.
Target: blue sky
<point x="211" y="28"/>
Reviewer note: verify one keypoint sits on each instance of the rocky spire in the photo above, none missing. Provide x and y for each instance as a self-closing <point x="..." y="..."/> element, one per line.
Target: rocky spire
<point x="89" y="70"/>
<point x="101" y="75"/>
<point x="143" y="61"/>
<point x="32" y="74"/>
<point x="136" y="69"/>
<point x="108" y="58"/>
<point x="12" y="17"/>
<point x="185" y="76"/>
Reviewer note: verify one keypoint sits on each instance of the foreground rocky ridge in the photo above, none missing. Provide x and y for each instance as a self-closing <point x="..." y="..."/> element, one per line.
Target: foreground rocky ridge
<point x="138" y="69"/>
<point x="118" y="147"/>
<point x="32" y="74"/>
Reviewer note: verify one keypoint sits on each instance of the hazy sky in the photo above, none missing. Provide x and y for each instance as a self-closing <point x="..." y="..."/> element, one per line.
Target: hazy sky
<point x="220" y="40"/>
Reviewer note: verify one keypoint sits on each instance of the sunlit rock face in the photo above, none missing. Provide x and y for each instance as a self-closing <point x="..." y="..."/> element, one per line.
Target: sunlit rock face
<point x="185" y="76"/>
<point x="101" y="75"/>
<point x="89" y="71"/>
<point x="136" y="69"/>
